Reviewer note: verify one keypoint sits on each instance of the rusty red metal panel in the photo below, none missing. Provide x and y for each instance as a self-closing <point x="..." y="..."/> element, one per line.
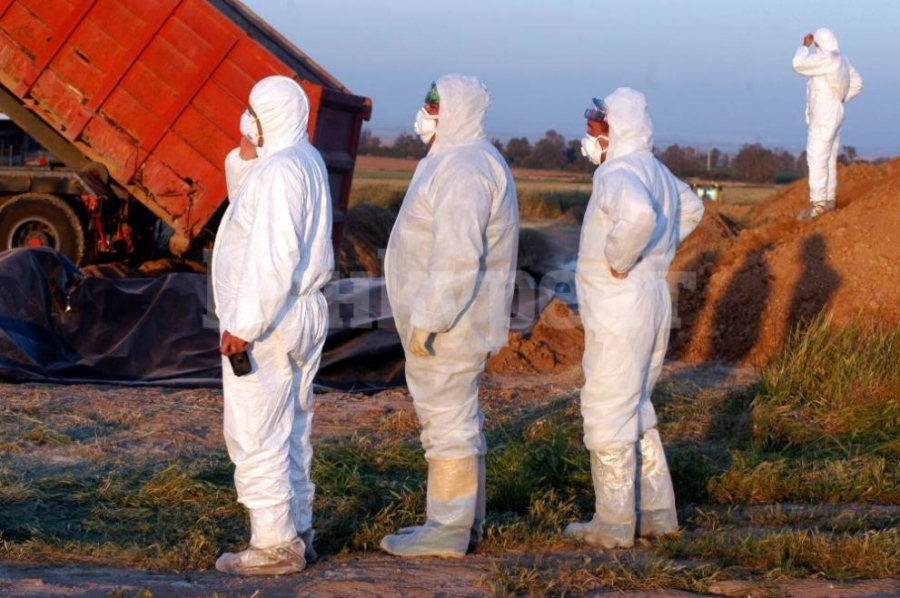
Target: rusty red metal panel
<point x="233" y="80"/>
<point x="172" y="193"/>
<point x="204" y="135"/>
<point x="28" y="35"/>
<point x="74" y="65"/>
<point x="55" y="100"/>
<point x="153" y="89"/>
<point x="61" y="33"/>
<point x="253" y="64"/>
<point x="143" y="30"/>
<point x="207" y="56"/>
<point x="13" y="61"/>
<point x="106" y="141"/>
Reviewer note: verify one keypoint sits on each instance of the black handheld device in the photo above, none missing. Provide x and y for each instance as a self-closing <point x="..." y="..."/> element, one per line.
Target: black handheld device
<point x="240" y="363"/>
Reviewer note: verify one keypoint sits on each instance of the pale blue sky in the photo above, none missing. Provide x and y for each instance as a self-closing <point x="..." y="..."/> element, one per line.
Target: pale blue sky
<point x="716" y="73"/>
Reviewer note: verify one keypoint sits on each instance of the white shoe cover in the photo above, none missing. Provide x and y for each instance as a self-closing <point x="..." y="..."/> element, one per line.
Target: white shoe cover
<point x="658" y="514"/>
<point x="613" y="471"/>
<point x="278" y="560"/>
<point x="431" y="539"/>
<point x="451" y="505"/>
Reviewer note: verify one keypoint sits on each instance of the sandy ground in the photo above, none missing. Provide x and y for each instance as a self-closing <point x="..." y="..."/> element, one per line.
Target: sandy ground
<point x="193" y="417"/>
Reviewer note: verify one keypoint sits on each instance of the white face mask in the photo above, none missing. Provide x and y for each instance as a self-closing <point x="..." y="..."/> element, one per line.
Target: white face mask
<point x="591" y="149"/>
<point x="249" y="128"/>
<point x="425" y="125"/>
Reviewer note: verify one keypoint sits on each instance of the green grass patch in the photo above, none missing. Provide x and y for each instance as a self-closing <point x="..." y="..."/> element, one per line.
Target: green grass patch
<point x="540" y="202"/>
<point x="794" y="554"/>
<point x="824" y="422"/>
<point x="175" y="518"/>
<point x="384" y="194"/>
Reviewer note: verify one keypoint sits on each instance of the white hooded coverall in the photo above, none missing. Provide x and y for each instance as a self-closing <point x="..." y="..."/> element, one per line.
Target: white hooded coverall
<point x="450" y="270"/>
<point x="450" y="267"/>
<point x="832" y="82"/>
<point x="637" y="214"/>
<point x="272" y="256"/>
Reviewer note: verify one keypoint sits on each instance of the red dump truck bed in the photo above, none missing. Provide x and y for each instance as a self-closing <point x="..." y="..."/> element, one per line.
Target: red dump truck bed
<point x="151" y="91"/>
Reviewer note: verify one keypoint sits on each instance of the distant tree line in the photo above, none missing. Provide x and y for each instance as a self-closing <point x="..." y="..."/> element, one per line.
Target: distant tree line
<point x="753" y="163"/>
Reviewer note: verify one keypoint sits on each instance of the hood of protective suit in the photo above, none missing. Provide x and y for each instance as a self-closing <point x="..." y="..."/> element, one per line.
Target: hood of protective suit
<point x="630" y="127"/>
<point x="464" y="103"/>
<point x="826" y="40"/>
<point x="282" y="108"/>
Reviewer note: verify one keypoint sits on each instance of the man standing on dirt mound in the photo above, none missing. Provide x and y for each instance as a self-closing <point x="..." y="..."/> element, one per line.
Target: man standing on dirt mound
<point x="832" y="83"/>
<point x="637" y="215"/>
<point x="272" y="256"/>
<point x="450" y="267"/>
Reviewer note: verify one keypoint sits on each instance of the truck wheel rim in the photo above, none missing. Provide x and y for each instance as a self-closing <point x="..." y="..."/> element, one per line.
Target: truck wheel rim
<point x="34" y="232"/>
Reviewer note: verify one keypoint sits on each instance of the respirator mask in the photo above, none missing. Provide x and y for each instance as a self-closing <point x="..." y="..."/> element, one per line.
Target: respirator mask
<point x="425" y="125"/>
<point x="591" y="148"/>
<point x="249" y="128"/>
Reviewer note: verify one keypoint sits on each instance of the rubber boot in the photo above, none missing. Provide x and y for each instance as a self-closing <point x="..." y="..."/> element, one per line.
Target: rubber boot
<point x="657" y="515"/>
<point x="309" y="553"/>
<point x="480" y="505"/>
<point x="301" y="512"/>
<point x="452" y="497"/>
<point x="613" y="472"/>
<point x="274" y="549"/>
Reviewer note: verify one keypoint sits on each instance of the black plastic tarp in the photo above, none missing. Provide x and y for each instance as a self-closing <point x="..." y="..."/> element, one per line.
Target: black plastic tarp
<point x="57" y="325"/>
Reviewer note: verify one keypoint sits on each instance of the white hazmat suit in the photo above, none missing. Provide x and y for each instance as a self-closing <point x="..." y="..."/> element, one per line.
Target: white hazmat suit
<point x="272" y="256"/>
<point x="637" y="214"/>
<point x="832" y="82"/>
<point x="450" y="269"/>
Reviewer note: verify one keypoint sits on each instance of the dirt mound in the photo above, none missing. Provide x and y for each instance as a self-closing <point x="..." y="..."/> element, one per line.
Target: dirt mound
<point x="854" y="183"/>
<point x="739" y="296"/>
<point x="555" y="343"/>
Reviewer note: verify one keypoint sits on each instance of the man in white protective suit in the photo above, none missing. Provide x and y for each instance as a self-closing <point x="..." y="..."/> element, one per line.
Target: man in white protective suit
<point x="272" y="256"/>
<point x="450" y="268"/>
<point x="832" y="83"/>
<point x="637" y="215"/>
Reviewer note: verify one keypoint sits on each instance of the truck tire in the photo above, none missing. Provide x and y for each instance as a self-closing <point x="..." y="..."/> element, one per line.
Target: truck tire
<point x="41" y="220"/>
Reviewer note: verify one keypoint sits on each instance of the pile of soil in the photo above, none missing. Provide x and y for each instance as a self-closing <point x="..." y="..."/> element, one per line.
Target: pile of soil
<point x="741" y="294"/>
<point x="555" y="343"/>
<point x="740" y="291"/>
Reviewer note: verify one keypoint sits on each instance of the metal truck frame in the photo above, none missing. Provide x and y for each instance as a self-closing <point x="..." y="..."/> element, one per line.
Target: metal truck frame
<point x="140" y="99"/>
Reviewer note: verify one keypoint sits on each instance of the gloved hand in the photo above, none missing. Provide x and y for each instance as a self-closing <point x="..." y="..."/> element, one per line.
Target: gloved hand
<point x="418" y="342"/>
<point x="616" y="274"/>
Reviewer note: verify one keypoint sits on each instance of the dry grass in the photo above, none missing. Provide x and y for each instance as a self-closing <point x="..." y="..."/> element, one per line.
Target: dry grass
<point x="745" y="477"/>
<point x="747" y="194"/>
<point x="539" y="199"/>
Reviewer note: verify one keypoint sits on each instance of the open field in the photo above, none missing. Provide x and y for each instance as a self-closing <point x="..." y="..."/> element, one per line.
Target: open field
<point x="542" y="193"/>
<point x="738" y="194"/>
